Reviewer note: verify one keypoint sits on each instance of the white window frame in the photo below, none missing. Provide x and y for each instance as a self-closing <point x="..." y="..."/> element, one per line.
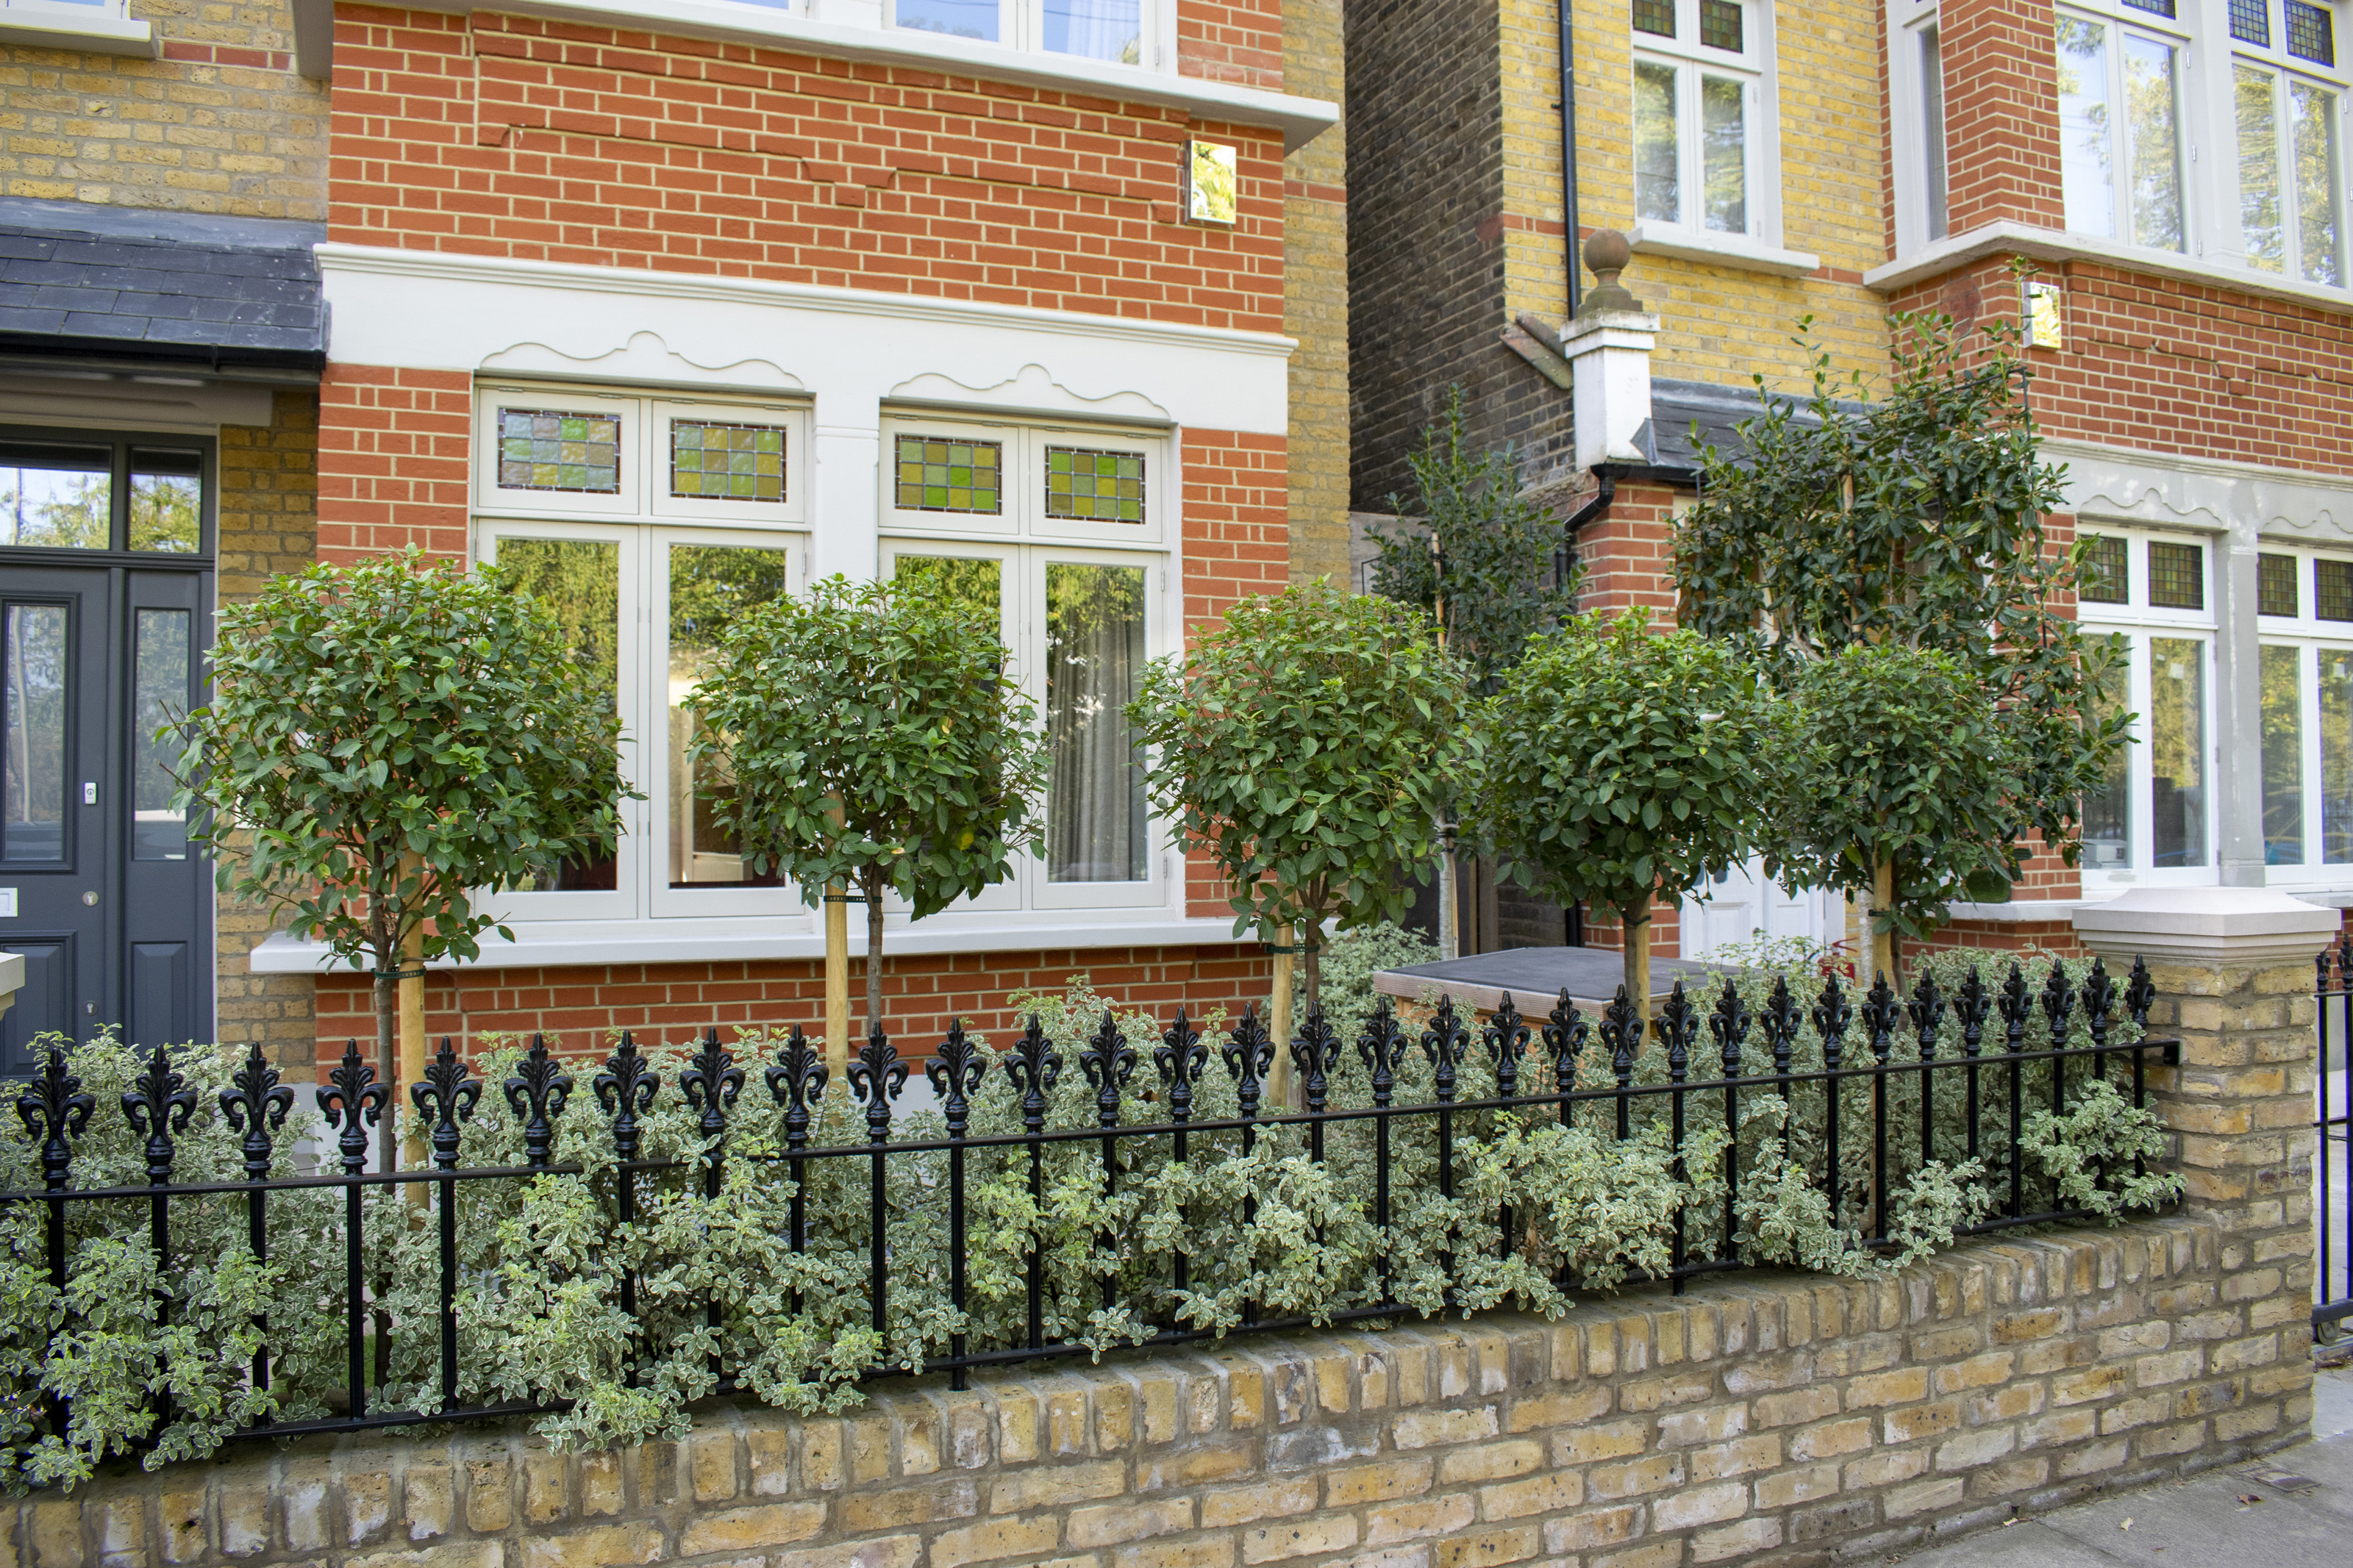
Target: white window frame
<point x="2285" y="68"/>
<point x="1028" y="540"/>
<point x="1752" y="66"/>
<point x="2314" y="640"/>
<point x="643" y="521"/>
<point x="2176" y="33"/>
<point x="2138" y="622"/>
<point x="1021" y="25"/>
<point x="1908" y="21"/>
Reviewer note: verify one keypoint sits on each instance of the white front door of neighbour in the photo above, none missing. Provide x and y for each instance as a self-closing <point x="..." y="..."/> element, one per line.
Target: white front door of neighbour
<point x="1742" y="905"/>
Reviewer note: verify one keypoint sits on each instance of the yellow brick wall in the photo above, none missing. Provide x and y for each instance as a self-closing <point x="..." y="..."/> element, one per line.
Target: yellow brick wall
<point x="1718" y="324"/>
<point x="189" y="133"/>
<point x="268" y="524"/>
<point x="1316" y="300"/>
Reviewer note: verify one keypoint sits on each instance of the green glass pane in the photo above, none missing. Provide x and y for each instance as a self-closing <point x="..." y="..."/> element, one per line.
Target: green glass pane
<point x="544" y="450"/>
<point x="947" y="476"/>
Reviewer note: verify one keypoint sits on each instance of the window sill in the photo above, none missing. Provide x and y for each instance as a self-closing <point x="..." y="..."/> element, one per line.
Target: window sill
<point x="785" y="938"/>
<point x="2055" y="245"/>
<point x="1734" y="250"/>
<point x="1299" y="118"/>
<point x="90" y="34"/>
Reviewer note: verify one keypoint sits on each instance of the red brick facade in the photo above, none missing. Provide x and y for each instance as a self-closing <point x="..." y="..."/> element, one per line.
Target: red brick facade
<point x="2001" y="113"/>
<point x="393" y="455"/>
<point x="495" y="135"/>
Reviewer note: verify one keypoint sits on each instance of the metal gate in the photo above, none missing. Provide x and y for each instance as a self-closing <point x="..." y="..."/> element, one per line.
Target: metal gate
<point x="2332" y="1205"/>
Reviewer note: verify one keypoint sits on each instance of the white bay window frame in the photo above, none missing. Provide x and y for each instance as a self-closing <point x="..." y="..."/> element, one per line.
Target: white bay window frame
<point x="1029" y="25"/>
<point x="2321" y="652"/>
<point x="1693" y="63"/>
<point x="2125" y="177"/>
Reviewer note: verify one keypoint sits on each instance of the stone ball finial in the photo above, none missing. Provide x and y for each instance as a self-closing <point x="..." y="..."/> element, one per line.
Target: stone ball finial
<point x="1607" y="253"/>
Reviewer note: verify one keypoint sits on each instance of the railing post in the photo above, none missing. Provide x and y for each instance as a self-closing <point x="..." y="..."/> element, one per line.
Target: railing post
<point x="2231" y="970"/>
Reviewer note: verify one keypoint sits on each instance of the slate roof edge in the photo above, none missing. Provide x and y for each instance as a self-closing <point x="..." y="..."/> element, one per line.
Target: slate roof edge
<point x="122" y="353"/>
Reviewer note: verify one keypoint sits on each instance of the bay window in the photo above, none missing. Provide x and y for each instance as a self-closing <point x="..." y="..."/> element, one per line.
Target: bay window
<point x="1112" y="30"/>
<point x="1699" y="114"/>
<point x="2305" y="620"/>
<point x="2286" y="98"/>
<point x="2151" y="596"/>
<point x="2120" y="128"/>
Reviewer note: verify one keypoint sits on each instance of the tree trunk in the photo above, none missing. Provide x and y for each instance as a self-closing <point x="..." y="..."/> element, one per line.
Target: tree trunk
<point x="412" y="1033"/>
<point x="873" y="881"/>
<point x="1279" y="1010"/>
<point x="1636" y="923"/>
<point x="1449" y="915"/>
<point x="387" y="1060"/>
<point x="837" y="980"/>
<point x="1880" y="946"/>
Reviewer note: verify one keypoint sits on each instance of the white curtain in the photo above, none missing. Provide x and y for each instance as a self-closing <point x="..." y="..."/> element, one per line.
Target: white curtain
<point x="1094" y="667"/>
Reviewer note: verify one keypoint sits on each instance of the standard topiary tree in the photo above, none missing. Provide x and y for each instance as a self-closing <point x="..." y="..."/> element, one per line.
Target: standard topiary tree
<point x="1623" y="766"/>
<point x="1914" y="521"/>
<point x="869" y="736"/>
<point x="1306" y="745"/>
<point x="383" y="738"/>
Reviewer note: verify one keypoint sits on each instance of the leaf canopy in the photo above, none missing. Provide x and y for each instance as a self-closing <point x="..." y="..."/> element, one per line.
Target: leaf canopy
<point x="1306" y="745"/>
<point x="382" y="738"/>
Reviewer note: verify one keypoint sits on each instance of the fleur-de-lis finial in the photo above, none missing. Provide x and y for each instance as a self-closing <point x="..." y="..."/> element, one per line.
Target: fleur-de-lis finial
<point x="2015" y="1005"/>
<point x="711" y="1082"/>
<point x="1446" y="1042"/>
<point x="1927" y="1010"/>
<point x="1248" y="1052"/>
<point x="1779" y="1023"/>
<point x="352" y="1100"/>
<point x="1677" y="1024"/>
<point x="1832" y="1013"/>
<point x="875" y="1080"/>
<point x="2099" y="1001"/>
<point x="797" y="1080"/>
<point x="1034" y="1068"/>
<point x="255" y="1104"/>
<point x="1621" y="1031"/>
<point x="537" y="1092"/>
<point x="1180" y="1056"/>
<point x="55" y="1110"/>
<point x="1971" y="1005"/>
<point x="1729" y="1024"/>
<point x="2140" y="994"/>
<point x="1506" y="1039"/>
<point x="1382" y="1046"/>
<point x="1108" y="1060"/>
<point x="626" y="1090"/>
<point x="448" y="1093"/>
<point x="1314" y="1051"/>
<point x="956" y="1074"/>
<point x="1564" y="1038"/>
<point x="2058" y="1000"/>
<point x="1881" y="1011"/>
<point x="158" y="1105"/>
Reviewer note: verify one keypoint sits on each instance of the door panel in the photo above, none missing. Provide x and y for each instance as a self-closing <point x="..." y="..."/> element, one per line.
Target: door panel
<point x="113" y="909"/>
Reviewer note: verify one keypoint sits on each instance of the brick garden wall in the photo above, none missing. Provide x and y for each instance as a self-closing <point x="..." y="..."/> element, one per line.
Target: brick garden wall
<point x="1768" y="1420"/>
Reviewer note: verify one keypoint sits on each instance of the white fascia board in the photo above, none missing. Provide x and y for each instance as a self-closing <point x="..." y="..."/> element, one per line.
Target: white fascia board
<point x="430" y="310"/>
<point x="1299" y="118"/>
<point x="787" y="937"/>
<point x="2009" y="238"/>
<point x="90" y="34"/>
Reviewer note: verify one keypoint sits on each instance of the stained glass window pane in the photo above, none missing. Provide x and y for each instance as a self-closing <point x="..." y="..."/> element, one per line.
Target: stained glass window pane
<point x="939" y="474"/>
<point x="2333" y="588"/>
<point x="1105" y="486"/>
<point x="2157" y="7"/>
<point x="2176" y="575"/>
<point x="2103" y="576"/>
<point x="552" y="449"/>
<point x="1720" y="25"/>
<point x="1655" y="17"/>
<point x="726" y="462"/>
<point x="2311" y="33"/>
<point x="2275" y="585"/>
<point x="2250" y="22"/>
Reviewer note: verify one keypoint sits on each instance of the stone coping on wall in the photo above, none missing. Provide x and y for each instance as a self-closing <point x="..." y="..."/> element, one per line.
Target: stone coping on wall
<point x="1759" y="1419"/>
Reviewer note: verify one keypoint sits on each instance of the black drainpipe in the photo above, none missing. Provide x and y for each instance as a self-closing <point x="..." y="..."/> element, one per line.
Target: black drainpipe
<point x="1568" y="157"/>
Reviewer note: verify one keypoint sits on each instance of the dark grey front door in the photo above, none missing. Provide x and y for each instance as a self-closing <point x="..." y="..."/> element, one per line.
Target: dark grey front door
<point x="98" y="889"/>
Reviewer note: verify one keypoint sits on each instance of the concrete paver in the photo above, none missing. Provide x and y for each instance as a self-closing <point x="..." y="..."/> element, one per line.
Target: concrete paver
<point x="2201" y="1522"/>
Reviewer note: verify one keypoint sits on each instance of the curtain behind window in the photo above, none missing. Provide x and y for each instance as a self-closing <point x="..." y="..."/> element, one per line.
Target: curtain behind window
<point x="1095" y="667"/>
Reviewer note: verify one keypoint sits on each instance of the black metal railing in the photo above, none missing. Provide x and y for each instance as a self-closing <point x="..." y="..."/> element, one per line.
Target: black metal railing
<point x="2332" y="1208"/>
<point x="1872" y="1093"/>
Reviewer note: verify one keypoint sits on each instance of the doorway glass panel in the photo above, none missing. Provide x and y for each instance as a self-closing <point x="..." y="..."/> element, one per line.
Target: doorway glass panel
<point x="33" y="700"/>
<point x="159" y="699"/>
